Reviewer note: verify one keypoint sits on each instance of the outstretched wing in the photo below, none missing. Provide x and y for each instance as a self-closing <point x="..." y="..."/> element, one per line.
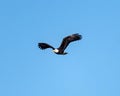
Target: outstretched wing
<point x="69" y="39"/>
<point x="44" y="46"/>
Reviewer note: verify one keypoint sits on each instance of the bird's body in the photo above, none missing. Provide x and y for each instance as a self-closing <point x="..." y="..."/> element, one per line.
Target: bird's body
<point x="64" y="44"/>
<point x="57" y="51"/>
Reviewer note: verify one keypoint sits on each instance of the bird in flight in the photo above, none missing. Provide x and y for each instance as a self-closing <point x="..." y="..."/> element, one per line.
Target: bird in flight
<point x="65" y="42"/>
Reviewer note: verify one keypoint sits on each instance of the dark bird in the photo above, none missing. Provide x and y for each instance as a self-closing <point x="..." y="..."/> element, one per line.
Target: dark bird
<point x="65" y="42"/>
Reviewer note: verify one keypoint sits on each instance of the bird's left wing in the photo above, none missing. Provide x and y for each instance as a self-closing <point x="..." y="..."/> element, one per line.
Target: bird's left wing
<point x="44" y="46"/>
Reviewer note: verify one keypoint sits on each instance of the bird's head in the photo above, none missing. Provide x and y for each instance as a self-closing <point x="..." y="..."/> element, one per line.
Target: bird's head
<point x="55" y="50"/>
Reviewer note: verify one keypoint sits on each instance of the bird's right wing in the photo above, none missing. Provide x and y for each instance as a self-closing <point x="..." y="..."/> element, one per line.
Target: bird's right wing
<point x="69" y="39"/>
<point x="44" y="46"/>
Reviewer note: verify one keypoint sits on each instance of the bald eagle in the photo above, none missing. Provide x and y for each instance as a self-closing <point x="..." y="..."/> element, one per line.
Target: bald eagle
<point x="64" y="44"/>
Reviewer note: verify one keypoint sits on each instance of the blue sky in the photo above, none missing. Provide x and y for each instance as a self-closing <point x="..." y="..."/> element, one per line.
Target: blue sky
<point x="92" y="67"/>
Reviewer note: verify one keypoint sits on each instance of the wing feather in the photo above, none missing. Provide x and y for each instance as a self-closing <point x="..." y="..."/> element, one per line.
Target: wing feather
<point x="69" y="39"/>
<point x="44" y="46"/>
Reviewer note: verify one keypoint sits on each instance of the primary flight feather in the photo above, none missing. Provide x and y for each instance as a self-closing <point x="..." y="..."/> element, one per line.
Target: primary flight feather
<point x="65" y="42"/>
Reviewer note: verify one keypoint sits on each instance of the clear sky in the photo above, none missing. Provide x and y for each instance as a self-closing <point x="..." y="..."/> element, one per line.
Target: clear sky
<point x="92" y="67"/>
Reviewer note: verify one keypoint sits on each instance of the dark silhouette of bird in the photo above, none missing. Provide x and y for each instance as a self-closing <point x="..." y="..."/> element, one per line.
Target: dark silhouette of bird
<point x="65" y="42"/>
